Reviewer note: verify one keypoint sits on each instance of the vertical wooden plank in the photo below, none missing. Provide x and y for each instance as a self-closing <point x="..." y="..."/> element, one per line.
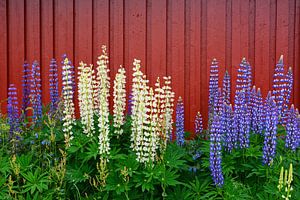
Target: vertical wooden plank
<point x="135" y="36"/>
<point x="16" y="43"/>
<point x="175" y="46"/>
<point x="64" y="33"/>
<point x="272" y="47"/>
<point x="32" y="31"/>
<point x="262" y="45"/>
<point x="228" y="35"/>
<point x="192" y="79"/>
<point x="101" y="17"/>
<point x="83" y="32"/>
<point x="252" y="21"/>
<point x="156" y="39"/>
<point x="47" y="45"/>
<point x="3" y="54"/>
<point x="216" y="27"/>
<point x="204" y="64"/>
<point x="240" y="38"/>
<point x="296" y="64"/>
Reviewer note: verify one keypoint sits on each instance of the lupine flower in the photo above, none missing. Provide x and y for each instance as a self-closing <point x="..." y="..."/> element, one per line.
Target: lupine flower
<point x="153" y="127"/>
<point x="36" y="92"/>
<point x="218" y="102"/>
<point x="243" y="119"/>
<point x="288" y="92"/>
<point x="215" y="152"/>
<point x="226" y="88"/>
<point x="292" y="131"/>
<point x="168" y="106"/>
<point x="257" y="113"/>
<point x="119" y="100"/>
<point x="244" y="80"/>
<point x="252" y="105"/>
<point x="230" y="132"/>
<point x="68" y="104"/>
<point x="129" y="111"/>
<point x="26" y="88"/>
<point x="85" y="95"/>
<point x="103" y="105"/>
<point x="279" y="84"/>
<point x="140" y="116"/>
<point x="53" y="79"/>
<point x="13" y="111"/>
<point x="213" y="86"/>
<point x="180" y="122"/>
<point x="198" y="124"/>
<point x="271" y="122"/>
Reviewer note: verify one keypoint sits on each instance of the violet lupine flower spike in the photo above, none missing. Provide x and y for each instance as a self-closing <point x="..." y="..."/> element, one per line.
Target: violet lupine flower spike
<point x="53" y="79"/>
<point x="215" y="152"/>
<point x="36" y="92"/>
<point x="218" y="102"/>
<point x="213" y="86"/>
<point x="26" y="88"/>
<point x="279" y="84"/>
<point x="226" y="88"/>
<point x="288" y="92"/>
<point x="244" y="80"/>
<point x="230" y="132"/>
<point x="252" y="106"/>
<point x="258" y="115"/>
<point x="271" y="122"/>
<point x="243" y="120"/>
<point x="13" y="111"/>
<point x="198" y="124"/>
<point x="180" y="122"/>
<point x="292" y="132"/>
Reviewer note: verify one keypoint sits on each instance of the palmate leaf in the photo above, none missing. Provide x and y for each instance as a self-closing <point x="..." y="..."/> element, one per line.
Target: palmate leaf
<point x="169" y="177"/>
<point x="4" y="165"/>
<point x="91" y="152"/>
<point x="25" y="161"/>
<point x="35" y="181"/>
<point x="174" y="157"/>
<point x="78" y="174"/>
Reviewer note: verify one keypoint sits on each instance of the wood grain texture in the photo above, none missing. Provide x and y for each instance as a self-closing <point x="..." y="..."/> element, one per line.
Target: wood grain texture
<point x="171" y="37"/>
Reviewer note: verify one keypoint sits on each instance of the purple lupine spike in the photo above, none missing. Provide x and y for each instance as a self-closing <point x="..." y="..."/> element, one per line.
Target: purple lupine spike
<point x="252" y="106"/>
<point x="130" y="103"/>
<point x="213" y="86"/>
<point x="271" y="122"/>
<point x="13" y="110"/>
<point x="215" y="152"/>
<point x="180" y="122"/>
<point x="243" y="120"/>
<point x="279" y="84"/>
<point x="259" y="114"/>
<point x="36" y="92"/>
<point x="287" y="94"/>
<point x="198" y="124"/>
<point x="291" y="141"/>
<point x="226" y="88"/>
<point x="230" y="131"/>
<point x="244" y="80"/>
<point x="298" y="129"/>
<point x="53" y="79"/>
<point x="218" y="103"/>
<point x="26" y="87"/>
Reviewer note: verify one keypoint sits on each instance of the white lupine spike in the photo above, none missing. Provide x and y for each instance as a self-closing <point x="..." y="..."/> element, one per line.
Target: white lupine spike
<point x="119" y="94"/>
<point x="68" y="108"/>
<point x="85" y="92"/>
<point x="153" y="128"/>
<point x="102" y="104"/>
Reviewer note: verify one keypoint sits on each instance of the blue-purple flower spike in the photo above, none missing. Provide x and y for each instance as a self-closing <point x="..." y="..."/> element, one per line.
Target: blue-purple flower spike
<point x="215" y="152"/>
<point x="292" y="131"/>
<point x="226" y="88"/>
<point x="180" y="122"/>
<point x="243" y="119"/>
<point x="53" y="78"/>
<point x="13" y="110"/>
<point x="36" y="92"/>
<point x="271" y="122"/>
<point x="287" y="94"/>
<point x="279" y="84"/>
<point x="198" y="124"/>
<point x="26" y="88"/>
<point x="213" y="86"/>
<point x="244" y="80"/>
<point x="230" y="132"/>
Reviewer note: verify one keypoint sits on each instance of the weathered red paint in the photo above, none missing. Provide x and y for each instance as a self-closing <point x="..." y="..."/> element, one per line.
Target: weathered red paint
<point x="171" y="37"/>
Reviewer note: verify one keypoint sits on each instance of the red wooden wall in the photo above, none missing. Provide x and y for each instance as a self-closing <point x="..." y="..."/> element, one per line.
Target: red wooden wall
<point x="171" y="37"/>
